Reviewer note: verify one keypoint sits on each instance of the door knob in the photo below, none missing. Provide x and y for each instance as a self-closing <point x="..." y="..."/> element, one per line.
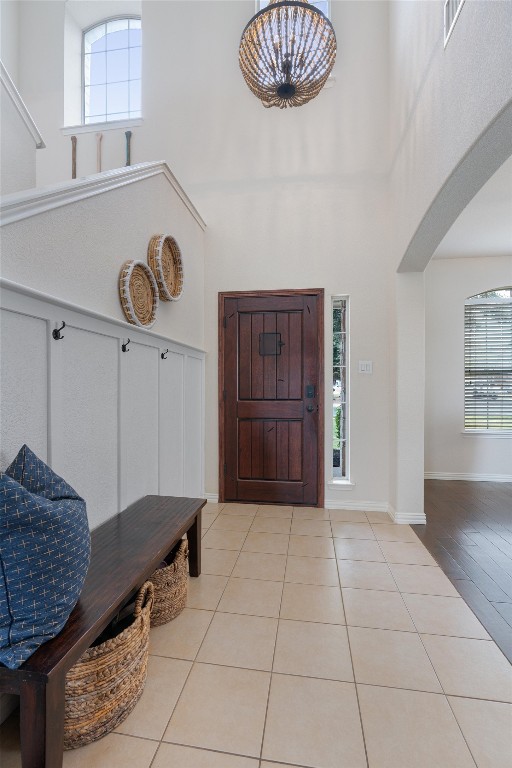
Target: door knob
<point x="310" y="408"/>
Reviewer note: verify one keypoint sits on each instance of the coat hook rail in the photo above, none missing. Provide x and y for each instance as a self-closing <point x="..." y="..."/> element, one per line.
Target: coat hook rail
<point x="56" y="333"/>
<point x="164" y="354"/>
<point x="124" y="346"/>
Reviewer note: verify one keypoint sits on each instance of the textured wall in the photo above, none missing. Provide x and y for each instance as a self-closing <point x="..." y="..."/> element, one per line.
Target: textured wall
<point x="9" y="41"/>
<point x="321" y="246"/>
<point x="448" y="282"/>
<point x="442" y="102"/>
<point x="76" y="252"/>
<point x="17" y="149"/>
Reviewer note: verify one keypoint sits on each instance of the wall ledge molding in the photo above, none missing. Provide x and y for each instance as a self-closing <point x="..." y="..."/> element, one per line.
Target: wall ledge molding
<point x="133" y="330"/>
<point x="473" y="477"/>
<point x="112" y="125"/>
<point x="22" y="205"/>
<point x="21" y="107"/>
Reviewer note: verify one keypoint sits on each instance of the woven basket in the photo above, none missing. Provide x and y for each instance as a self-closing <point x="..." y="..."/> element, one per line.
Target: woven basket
<point x="138" y="292"/>
<point x="104" y="685"/>
<point x="170" y="585"/>
<point x="164" y="258"/>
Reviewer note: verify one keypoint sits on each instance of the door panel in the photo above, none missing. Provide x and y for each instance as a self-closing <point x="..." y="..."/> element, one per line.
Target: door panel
<point x="271" y="357"/>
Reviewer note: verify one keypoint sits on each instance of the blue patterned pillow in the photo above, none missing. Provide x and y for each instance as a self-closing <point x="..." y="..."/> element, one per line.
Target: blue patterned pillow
<point x="44" y="555"/>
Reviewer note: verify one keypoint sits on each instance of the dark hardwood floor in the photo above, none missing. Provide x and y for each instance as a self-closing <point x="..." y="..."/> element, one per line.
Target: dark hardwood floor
<point x="469" y="533"/>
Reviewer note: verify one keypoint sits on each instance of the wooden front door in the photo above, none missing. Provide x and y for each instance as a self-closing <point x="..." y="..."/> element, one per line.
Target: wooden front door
<point x="271" y="397"/>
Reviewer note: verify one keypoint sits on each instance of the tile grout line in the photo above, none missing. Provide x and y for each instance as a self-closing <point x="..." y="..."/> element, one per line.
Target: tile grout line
<point x="189" y="672"/>
<point x="274" y="652"/>
<point x="434" y="669"/>
<point x="353" y="668"/>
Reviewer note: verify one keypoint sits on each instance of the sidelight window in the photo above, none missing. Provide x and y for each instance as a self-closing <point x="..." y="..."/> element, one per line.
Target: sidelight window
<point x="339" y="387"/>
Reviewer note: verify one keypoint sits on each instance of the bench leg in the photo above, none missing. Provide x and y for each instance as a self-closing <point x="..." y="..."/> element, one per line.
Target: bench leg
<point x="42" y="723"/>
<point x="194" y="546"/>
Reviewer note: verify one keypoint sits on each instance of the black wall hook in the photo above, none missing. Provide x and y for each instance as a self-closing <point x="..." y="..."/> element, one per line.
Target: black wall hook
<point x="56" y="333"/>
<point x="164" y="354"/>
<point x="124" y="347"/>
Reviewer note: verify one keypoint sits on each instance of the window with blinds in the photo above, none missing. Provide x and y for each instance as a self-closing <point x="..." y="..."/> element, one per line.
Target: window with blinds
<point x="488" y="361"/>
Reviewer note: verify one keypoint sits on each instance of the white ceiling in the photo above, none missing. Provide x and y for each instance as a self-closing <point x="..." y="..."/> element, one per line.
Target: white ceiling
<point x="484" y="228"/>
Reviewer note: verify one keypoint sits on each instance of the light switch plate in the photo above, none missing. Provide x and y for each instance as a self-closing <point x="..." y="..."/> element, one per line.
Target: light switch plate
<point x="365" y="366"/>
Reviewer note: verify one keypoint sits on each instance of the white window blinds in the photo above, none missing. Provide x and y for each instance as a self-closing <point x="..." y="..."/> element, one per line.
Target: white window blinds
<point x="488" y="363"/>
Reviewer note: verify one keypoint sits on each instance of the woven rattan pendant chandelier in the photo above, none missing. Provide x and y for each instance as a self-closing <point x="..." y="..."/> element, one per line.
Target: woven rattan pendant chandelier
<point x="287" y="51"/>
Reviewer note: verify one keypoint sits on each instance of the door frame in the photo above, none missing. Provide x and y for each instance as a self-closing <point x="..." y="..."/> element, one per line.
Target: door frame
<point x="319" y="293"/>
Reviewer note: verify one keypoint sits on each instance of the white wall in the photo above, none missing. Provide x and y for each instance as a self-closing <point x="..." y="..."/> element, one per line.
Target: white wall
<point x="448" y="451"/>
<point x="9" y="42"/>
<point x="248" y="248"/>
<point x="101" y="417"/>
<point x="17" y="149"/>
<point x="98" y="415"/>
<point x="300" y="197"/>
<point x="451" y="117"/>
<point x="293" y="198"/>
<point x="76" y="252"/>
<point x="443" y="100"/>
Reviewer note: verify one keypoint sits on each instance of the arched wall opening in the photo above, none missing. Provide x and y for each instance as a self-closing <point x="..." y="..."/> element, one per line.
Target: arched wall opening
<point x="481" y="161"/>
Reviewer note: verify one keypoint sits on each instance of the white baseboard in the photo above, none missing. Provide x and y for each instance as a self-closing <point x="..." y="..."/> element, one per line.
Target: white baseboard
<point x="473" y="477"/>
<point x="365" y="506"/>
<point x="408" y="518"/>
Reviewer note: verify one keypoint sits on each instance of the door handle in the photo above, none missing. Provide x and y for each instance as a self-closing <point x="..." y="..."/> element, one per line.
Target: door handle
<point x="310" y="408"/>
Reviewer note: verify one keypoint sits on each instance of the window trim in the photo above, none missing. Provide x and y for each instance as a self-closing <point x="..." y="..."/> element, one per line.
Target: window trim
<point x="106" y="20"/>
<point x="346" y="481"/>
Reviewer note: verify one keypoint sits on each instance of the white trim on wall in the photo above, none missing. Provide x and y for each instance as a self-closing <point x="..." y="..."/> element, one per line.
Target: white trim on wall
<point x="52" y="312"/>
<point x="22" y="205"/>
<point x="134" y="122"/>
<point x="31" y="293"/>
<point x="21" y="107"/>
<point x="472" y="477"/>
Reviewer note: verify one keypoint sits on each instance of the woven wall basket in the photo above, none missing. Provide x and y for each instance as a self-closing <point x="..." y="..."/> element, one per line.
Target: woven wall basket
<point x="164" y="258"/>
<point x="104" y="685"/>
<point x="138" y="292"/>
<point x="170" y="588"/>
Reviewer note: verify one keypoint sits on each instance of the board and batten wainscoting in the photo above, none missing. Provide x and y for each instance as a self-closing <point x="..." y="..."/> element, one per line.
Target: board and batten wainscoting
<point x="116" y="425"/>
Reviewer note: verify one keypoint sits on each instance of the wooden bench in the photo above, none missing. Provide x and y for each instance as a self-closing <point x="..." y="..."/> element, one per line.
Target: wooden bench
<point x="125" y="552"/>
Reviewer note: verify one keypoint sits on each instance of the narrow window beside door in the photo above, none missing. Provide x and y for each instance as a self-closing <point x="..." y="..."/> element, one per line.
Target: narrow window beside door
<point x="339" y="387"/>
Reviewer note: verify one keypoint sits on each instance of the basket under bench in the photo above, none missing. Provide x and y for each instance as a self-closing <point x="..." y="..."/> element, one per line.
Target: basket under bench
<point x="125" y="551"/>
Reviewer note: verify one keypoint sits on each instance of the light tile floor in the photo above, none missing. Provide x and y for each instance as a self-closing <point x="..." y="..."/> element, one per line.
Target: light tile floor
<point x="313" y="639"/>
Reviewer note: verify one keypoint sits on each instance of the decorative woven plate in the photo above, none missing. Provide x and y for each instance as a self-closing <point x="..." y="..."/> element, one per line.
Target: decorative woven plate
<point x="138" y="292"/>
<point x="164" y="258"/>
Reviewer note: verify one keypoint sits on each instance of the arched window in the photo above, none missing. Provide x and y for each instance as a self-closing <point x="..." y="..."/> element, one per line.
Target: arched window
<point x="488" y="361"/>
<point x="111" y="73"/>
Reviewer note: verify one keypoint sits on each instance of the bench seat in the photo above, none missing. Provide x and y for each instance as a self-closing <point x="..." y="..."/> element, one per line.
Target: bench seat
<point x="125" y="551"/>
